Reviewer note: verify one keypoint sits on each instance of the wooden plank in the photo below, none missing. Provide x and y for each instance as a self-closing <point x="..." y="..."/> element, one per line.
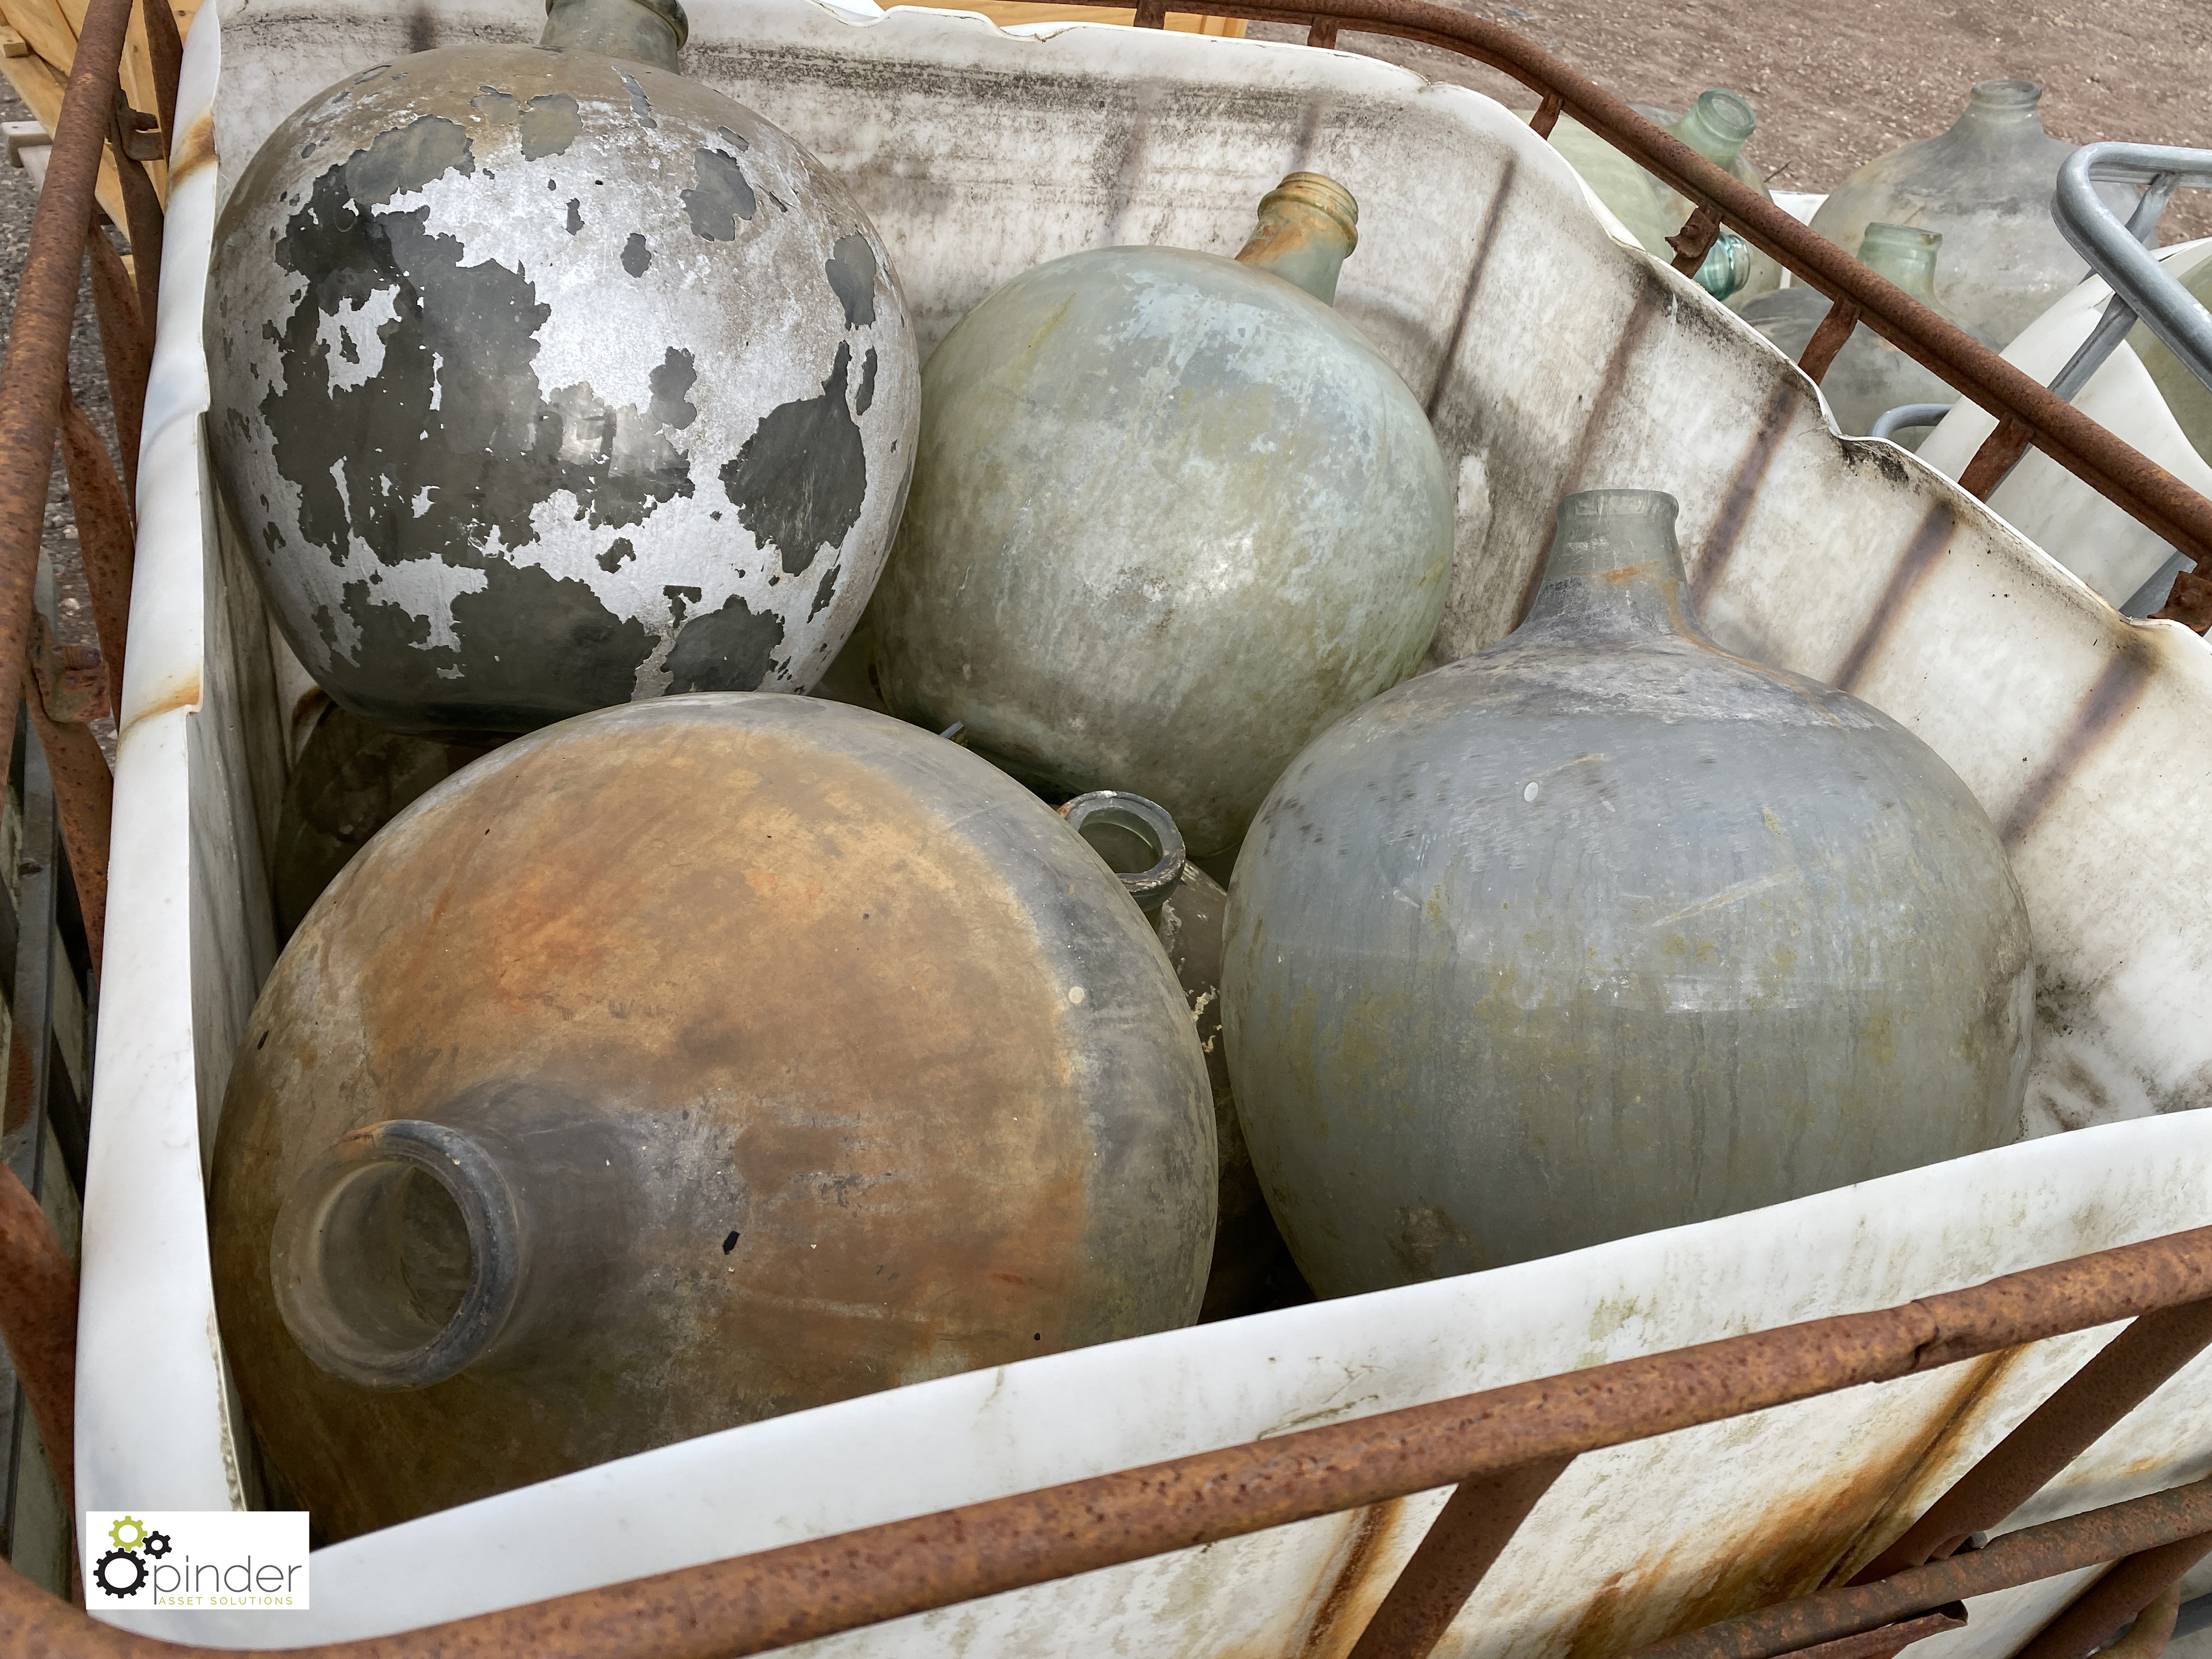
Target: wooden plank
<point x="41" y="23"/>
<point x="40" y="86"/>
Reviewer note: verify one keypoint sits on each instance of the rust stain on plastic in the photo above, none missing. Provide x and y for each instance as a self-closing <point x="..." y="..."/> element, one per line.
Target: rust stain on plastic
<point x="199" y="147"/>
<point x="1332" y="1631"/>
<point x="184" y="694"/>
<point x="1791" y="1549"/>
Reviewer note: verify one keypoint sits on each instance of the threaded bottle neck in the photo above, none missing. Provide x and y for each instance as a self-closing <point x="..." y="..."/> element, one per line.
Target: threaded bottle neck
<point x="1614" y="566"/>
<point x="638" y="30"/>
<point x="2002" y="111"/>
<point x="1718" y="126"/>
<point x="1307" y="226"/>
<point x="1904" y="255"/>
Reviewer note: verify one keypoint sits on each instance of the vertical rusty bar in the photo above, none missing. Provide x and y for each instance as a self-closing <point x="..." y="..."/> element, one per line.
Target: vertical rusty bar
<point x="2121" y="1375"/>
<point x="1695" y="239"/>
<point x="36" y="368"/>
<point x="1999" y="453"/>
<point x="2132" y="1589"/>
<point x="1548" y="115"/>
<point x="1151" y="15"/>
<point x="1473" y="1527"/>
<point x="166" y="49"/>
<point x="103" y="538"/>
<point x="1828" y="339"/>
<point x="1322" y="33"/>
<point x="38" y="1321"/>
<point x="141" y="207"/>
<point x="126" y="346"/>
<point x="59" y="699"/>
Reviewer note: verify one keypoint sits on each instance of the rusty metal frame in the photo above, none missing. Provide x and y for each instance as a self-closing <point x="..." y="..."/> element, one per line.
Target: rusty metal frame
<point x="2029" y="413"/>
<point x="1500" y="1450"/>
<point x="1503" y="1445"/>
<point x="54" y="692"/>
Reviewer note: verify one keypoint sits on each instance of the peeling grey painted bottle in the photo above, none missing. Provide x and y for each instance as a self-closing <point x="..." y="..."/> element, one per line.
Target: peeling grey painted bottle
<point x="1604" y="930"/>
<point x="545" y="378"/>
<point x="1172" y="515"/>
<point x="1869" y="376"/>
<point x="1985" y="187"/>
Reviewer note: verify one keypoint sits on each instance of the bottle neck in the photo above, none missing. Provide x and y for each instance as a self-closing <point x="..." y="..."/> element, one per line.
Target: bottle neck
<point x="1309" y="225"/>
<point x="1904" y="255"/>
<point x="1718" y="126"/>
<point x="2000" y="113"/>
<point x="650" y="31"/>
<point x="1614" y="568"/>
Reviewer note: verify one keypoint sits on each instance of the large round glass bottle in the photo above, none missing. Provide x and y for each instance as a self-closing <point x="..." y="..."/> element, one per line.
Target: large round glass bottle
<point x="1172" y="515"/>
<point x="1605" y="930"/>
<point x="681" y="1065"/>
<point x="1985" y="186"/>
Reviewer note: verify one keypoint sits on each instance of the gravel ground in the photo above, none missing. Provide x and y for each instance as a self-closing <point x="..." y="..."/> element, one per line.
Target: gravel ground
<point x="1836" y="86"/>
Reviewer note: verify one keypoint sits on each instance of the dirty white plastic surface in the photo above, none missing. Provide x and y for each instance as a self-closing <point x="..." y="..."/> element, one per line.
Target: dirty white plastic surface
<point x="1551" y="358"/>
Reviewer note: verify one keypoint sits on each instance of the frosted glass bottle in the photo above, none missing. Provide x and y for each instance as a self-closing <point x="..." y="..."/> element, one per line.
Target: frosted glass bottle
<point x="1604" y="929"/>
<point x="1716" y="126"/>
<point x="1869" y="376"/>
<point x="1985" y="186"/>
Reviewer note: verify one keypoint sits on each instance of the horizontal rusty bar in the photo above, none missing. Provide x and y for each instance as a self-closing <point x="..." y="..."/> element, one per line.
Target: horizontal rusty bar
<point x="2025" y="1556"/>
<point x="1890" y="1638"/>
<point x="2109" y="465"/>
<point x="773" y="1599"/>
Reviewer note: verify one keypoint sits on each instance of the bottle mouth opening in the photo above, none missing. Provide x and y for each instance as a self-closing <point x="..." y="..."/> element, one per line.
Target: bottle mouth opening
<point x="670" y="12"/>
<point x="1899" y="251"/>
<point x="2006" y="94"/>
<point x="1136" y="837"/>
<point x="1651" y="505"/>
<point x="395" y="1255"/>
<point x="1728" y="113"/>
<point x="1324" y="195"/>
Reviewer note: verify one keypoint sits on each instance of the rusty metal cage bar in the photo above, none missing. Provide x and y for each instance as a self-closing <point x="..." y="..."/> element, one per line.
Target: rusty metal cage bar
<point x="51" y="692"/>
<point x="2029" y="413"/>
<point x="1500" y="1450"/>
<point x="776" y="1598"/>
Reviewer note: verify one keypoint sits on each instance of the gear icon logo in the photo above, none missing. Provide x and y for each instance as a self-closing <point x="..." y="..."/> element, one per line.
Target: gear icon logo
<point x="131" y="1524"/>
<point x="121" y="1573"/>
<point x="157" y="1544"/>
